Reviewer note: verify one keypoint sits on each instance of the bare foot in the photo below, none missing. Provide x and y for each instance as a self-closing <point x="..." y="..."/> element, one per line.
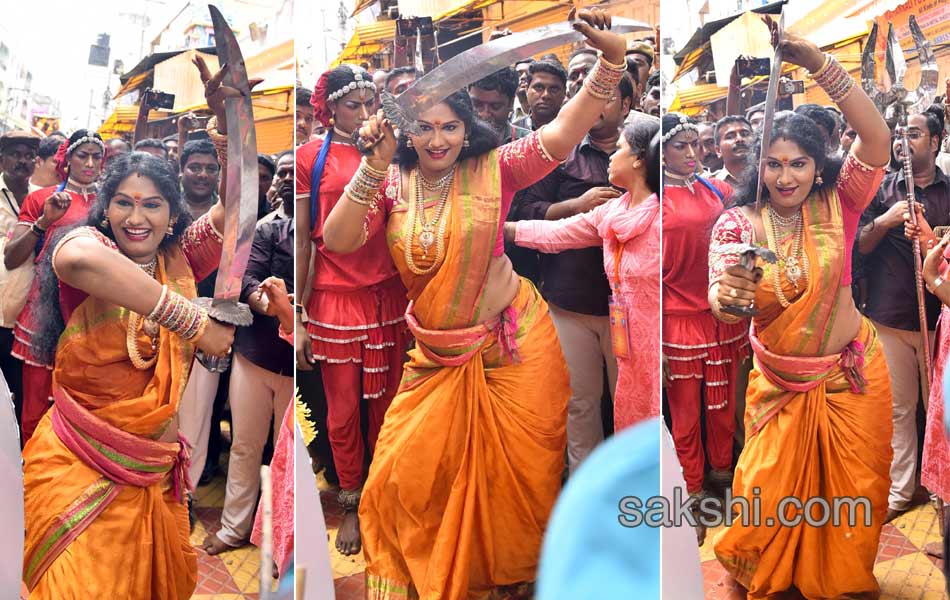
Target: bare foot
<point x="214" y="545"/>
<point x="348" y="536"/>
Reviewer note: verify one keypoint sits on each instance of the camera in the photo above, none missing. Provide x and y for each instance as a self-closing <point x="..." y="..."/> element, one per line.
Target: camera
<point x="752" y="67"/>
<point x="787" y="87"/>
<point x="159" y="100"/>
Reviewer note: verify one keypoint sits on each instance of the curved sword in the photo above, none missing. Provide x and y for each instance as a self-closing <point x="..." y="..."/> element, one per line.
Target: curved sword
<point x="240" y="210"/>
<point x="481" y="61"/>
<point x="771" y="99"/>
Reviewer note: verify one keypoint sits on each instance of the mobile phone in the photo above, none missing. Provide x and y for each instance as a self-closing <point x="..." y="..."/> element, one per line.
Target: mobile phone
<point x="160" y="100"/>
<point x="789" y="87"/>
<point x="753" y="67"/>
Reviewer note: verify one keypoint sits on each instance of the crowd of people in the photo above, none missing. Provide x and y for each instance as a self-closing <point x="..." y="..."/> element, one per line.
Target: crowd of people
<point x="105" y="244"/>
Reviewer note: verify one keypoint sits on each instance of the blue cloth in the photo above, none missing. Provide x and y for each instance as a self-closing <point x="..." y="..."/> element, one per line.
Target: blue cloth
<point x="587" y="553"/>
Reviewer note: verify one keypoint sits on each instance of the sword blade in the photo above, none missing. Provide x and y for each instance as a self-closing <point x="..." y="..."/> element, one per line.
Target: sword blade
<point x="240" y="213"/>
<point x="771" y="98"/>
<point x="481" y="61"/>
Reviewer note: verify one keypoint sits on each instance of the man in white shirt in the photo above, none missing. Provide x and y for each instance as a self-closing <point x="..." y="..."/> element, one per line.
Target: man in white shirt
<point x="17" y="161"/>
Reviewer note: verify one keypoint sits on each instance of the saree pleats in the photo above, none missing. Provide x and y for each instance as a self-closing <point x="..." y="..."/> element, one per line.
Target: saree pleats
<point x="469" y="458"/>
<point x="819" y="427"/>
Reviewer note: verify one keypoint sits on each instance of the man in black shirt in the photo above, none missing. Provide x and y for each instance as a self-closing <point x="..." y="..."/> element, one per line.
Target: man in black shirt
<point x="892" y="294"/>
<point x="262" y="378"/>
<point x="573" y="282"/>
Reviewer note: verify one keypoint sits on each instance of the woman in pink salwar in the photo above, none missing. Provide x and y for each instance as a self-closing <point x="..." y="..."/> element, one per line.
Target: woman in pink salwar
<point x="629" y="229"/>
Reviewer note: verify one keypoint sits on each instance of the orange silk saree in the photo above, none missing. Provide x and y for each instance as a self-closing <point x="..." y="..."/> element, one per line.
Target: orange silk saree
<point x="818" y="425"/>
<point x="469" y="459"/>
<point x="105" y="514"/>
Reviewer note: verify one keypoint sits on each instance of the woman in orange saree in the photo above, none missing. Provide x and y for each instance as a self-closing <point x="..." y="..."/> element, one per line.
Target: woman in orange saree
<point x="468" y="462"/>
<point x="818" y="403"/>
<point x="105" y="471"/>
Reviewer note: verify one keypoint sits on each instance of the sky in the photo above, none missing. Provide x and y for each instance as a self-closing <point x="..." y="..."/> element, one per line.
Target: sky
<point x="56" y="35"/>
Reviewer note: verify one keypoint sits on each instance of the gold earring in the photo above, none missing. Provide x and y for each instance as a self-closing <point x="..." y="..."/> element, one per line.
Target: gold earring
<point x="465" y="144"/>
<point x="818" y="181"/>
<point x="409" y="142"/>
<point x="104" y="222"/>
<point x="171" y="228"/>
<point x="332" y="121"/>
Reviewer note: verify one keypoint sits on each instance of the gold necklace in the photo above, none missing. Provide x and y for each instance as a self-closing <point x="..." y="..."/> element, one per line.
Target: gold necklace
<point x="436" y="185"/>
<point x="151" y="328"/>
<point x="432" y="232"/>
<point x="796" y="263"/>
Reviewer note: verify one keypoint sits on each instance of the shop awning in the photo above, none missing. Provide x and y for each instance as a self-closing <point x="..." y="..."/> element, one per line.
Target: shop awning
<point x="122" y="120"/>
<point x="367" y="40"/>
<point x="697" y="53"/>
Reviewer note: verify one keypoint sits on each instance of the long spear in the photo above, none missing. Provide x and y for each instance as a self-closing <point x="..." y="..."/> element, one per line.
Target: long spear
<point x="896" y="102"/>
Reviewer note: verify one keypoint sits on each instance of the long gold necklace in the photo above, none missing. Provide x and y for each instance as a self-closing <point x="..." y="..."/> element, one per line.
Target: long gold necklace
<point x="796" y="262"/>
<point x="431" y="232"/>
<point x="151" y="328"/>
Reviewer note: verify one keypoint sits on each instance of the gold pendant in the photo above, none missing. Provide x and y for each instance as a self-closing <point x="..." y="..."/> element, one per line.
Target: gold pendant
<point x="426" y="239"/>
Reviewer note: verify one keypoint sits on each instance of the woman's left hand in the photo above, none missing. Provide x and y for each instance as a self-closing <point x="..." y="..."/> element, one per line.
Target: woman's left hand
<point x="594" y="23"/>
<point x="215" y="92"/>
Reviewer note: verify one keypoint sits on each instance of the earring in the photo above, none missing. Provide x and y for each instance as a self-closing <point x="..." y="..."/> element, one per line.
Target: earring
<point x="105" y="222"/>
<point x="465" y="144"/>
<point x="332" y="121"/>
<point x="171" y="228"/>
<point x="409" y="142"/>
<point x="818" y="181"/>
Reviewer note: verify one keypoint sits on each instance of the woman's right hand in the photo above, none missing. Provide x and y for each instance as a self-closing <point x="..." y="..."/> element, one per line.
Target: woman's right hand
<point x="54" y="208"/>
<point x="377" y="134"/>
<point x="737" y="286"/>
<point x="216" y="339"/>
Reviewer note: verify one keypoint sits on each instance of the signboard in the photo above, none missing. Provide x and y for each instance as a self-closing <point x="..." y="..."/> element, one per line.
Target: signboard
<point x="933" y="16"/>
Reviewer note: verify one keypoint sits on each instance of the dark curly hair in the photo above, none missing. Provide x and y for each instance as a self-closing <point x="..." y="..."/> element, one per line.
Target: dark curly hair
<point x="47" y="308"/>
<point x="640" y="135"/>
<point x="482" y="137"/>
<point x="805" y="133"/>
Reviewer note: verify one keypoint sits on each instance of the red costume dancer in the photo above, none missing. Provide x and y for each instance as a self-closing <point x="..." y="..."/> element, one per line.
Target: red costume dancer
<point x="701" y="353"/>
<point x="83" y="147"/>
<point x="357" y="305"/>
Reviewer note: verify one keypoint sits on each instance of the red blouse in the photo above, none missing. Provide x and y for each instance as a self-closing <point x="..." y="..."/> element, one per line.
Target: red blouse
<point x="856" y="186"/>
<point x="688" y="219"/>
<point x="368" y="266"/>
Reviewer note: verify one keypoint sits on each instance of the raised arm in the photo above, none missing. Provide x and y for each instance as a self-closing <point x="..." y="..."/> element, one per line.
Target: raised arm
<point x="873" y="143"/>
<point x="583" y="110"/>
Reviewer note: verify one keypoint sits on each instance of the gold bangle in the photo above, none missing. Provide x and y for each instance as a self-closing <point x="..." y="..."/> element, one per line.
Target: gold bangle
<point x="824" y="66"/>
<point x="616" y="67"/>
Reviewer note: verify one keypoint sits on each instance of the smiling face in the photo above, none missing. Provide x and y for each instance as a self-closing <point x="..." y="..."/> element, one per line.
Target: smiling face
<point x="85" y="163"/>
<point x="440" y="144"/>
<point x="199" y="177"/>
<point x="681" y="154"/>
<point x="789" y="175"/>
<point x="139" y="217"/>
<point x="351" y="110"/>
